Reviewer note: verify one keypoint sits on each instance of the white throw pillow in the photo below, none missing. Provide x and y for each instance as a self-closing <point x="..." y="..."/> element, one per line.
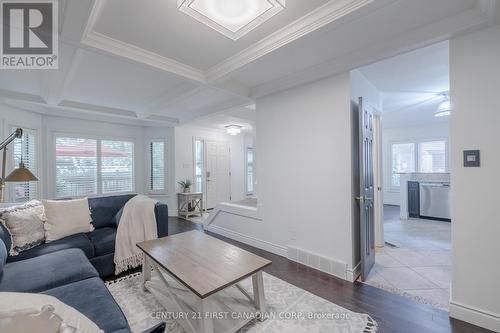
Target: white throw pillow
<point x="24" y="312"/>
<point x="66" y="217"/>
<point x="25" y="225"/>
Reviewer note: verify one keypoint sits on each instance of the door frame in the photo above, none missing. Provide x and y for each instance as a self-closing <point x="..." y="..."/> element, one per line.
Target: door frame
<point x="204" y="173"/>
<point x="378" y="166"/>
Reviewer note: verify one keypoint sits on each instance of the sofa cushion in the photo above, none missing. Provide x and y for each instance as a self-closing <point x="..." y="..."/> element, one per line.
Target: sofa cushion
<point x="46" y="272"/>
<point x="25" y="225"/>
<point x="103" y="240"/>
<point x="66" y="217"/>
<point x="3" y="256"/>
<point x="5" y="236"/>
<point x="104" y="209"/>
<point x="78" y="241"/>
<point x="92" y="298"/>
<point x="104" y="264"/>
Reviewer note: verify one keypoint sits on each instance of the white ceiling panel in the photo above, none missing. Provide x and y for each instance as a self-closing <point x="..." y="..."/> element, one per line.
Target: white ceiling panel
<point x="158" y="26"/>
<point x="110" y="82"/>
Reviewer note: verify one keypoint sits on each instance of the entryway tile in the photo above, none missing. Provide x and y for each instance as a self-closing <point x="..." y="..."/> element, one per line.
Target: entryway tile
<point x="440" y="275"/>
<point x="405" y="278"/>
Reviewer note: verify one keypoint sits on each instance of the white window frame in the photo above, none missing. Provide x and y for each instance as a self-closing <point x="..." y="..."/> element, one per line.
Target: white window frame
<point x="99" y="139"/>
<point x="165" y="167"/>
<point x="417" y="143"/>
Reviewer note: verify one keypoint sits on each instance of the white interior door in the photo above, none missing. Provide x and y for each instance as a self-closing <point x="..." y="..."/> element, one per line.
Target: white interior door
<point x="217" y="173"/>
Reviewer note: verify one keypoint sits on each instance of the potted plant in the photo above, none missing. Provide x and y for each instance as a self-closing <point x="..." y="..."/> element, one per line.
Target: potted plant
<point x="185" y="185"/>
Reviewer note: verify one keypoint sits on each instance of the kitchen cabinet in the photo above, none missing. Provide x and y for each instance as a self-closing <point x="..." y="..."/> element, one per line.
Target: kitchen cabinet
<point x="413" y="199"/>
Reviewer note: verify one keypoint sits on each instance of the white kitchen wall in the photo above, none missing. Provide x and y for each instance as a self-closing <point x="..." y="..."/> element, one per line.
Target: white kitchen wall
<point x="402" y="134"/>
<point x="184" y="168"/>
<point x="475" y="83"/>
<point x="305" y="173"/>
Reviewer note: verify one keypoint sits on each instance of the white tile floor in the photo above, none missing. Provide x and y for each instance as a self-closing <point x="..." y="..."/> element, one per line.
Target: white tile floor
<point x="420" y="266"/>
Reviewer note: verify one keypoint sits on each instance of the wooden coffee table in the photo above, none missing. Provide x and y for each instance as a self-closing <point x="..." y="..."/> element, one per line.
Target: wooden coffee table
<point x="197" y="279"/>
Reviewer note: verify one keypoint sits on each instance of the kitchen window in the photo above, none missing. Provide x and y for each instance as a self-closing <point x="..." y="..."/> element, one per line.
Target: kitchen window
<point x="86" y="166"/>
<point x="425" y="156"/>
<point x="403" y="160"/>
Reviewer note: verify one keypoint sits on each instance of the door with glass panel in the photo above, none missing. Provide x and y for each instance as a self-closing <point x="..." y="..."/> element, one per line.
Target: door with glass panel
<point x="212" y="171"/>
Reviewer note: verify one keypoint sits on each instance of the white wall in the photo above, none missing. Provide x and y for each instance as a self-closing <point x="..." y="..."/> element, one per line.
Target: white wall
<point x="305" y="172"/>
<point x="362" y="87"/>
<point x="475" y="84"/>
<point x="401" y="134"/>
<point x="184" y="167"/>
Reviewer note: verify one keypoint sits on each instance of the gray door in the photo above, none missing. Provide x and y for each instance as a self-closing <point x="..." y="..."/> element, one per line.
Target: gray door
<point x="366" y="203"/>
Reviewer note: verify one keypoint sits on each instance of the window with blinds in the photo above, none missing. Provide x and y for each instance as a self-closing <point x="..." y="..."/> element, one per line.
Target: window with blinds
<point x="403" y="160"/>
<point x="157" y="166"/>
<point x="432" y="156"/>
<point x="117" y="166"/>
<point x="76" y="167"/>
<point x="25" y="149"/>
<point x="93" y="166"/>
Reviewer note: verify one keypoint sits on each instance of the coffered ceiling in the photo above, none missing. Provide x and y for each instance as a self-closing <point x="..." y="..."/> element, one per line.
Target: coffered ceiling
<point x="145" y="62"/>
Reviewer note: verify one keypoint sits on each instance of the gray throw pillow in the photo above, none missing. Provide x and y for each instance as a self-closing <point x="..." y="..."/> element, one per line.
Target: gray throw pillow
<point x="25" y="225"/>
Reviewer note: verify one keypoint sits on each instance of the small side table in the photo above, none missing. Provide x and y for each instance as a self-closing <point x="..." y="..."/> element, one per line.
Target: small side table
<point x="185" y="200"/>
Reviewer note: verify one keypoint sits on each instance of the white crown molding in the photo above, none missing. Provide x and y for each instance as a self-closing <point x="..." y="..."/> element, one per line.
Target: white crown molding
<point x="122" y="49"/>
<point x="472" y="19"/>
<point x="321" y="16"/>
<point x="99" y="41"/>
<point x="318" y="18"/>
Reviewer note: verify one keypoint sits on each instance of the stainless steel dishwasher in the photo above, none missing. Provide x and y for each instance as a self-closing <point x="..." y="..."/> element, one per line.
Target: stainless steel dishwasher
<point x="435" y="200"/>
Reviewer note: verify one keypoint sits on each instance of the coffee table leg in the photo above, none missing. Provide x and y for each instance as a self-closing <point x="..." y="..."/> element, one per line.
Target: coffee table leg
<point x="258" y="293"/>
<point x="206" y="323"/>
<point x="146" y="272"/>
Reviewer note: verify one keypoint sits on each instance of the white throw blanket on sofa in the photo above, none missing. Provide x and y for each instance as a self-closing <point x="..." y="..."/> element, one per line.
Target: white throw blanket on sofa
<point x="137" y="224"/>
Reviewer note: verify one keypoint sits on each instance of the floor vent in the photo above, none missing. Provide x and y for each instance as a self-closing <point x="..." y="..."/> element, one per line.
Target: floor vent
<point x="319" y="262"/>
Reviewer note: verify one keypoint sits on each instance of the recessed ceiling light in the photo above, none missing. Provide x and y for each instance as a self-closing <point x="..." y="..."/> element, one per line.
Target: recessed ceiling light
<point x="233" y="129"/>
<point x="232" y="18"/>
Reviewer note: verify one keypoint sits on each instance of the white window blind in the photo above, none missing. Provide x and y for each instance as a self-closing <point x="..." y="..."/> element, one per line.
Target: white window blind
<point x="403" y="160"/>
<point x="157" y="164"/>
<point x="25" y="149"/>
<point x="432" y="156"/>
<point x="76" y="167"/>
<point x="250" y="171"/>
<point x="117" y="166"/>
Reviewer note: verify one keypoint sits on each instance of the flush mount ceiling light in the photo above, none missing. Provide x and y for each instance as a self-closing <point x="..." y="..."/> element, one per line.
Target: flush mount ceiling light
<point x="233" y="129"/>
<point x="232" y="18"/>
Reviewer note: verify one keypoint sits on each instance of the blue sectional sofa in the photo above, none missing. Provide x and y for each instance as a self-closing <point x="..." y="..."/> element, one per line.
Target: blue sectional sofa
<point x="71" y="268"/>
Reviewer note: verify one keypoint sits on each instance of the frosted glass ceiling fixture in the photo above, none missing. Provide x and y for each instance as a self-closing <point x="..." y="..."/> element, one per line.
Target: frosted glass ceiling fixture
<point x="232" y="18"/>
<point x="233" y="129"/>
<point x="444" y="108"/>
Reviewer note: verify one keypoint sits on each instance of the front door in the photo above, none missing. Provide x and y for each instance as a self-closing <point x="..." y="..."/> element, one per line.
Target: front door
<point x="217" y="173"/>
<point x="366" y="198"/>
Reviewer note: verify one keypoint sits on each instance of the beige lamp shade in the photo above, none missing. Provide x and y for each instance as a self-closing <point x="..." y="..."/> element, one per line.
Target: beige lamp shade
<point x="21" y="174"/>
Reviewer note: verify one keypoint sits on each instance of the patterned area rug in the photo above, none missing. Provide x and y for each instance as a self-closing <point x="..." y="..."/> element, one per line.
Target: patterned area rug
<point x="290" y="309"/>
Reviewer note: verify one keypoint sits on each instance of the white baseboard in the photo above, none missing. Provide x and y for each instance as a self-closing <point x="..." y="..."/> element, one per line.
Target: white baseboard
<point x="353" y="274"/>
<point x="252" y="241"/>
<point x="475" y="316"/>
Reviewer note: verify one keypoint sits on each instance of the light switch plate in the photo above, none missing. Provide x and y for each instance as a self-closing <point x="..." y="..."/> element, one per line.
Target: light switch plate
<point x="472" y="158"/>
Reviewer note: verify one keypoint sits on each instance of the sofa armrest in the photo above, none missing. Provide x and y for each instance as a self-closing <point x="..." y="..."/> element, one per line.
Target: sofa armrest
<point x="159" y="328"/>
<point x="161" y="214"/>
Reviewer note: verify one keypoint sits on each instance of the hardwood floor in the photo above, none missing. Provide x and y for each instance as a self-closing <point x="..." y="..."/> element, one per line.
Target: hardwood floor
<point x="392" y="312"/>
